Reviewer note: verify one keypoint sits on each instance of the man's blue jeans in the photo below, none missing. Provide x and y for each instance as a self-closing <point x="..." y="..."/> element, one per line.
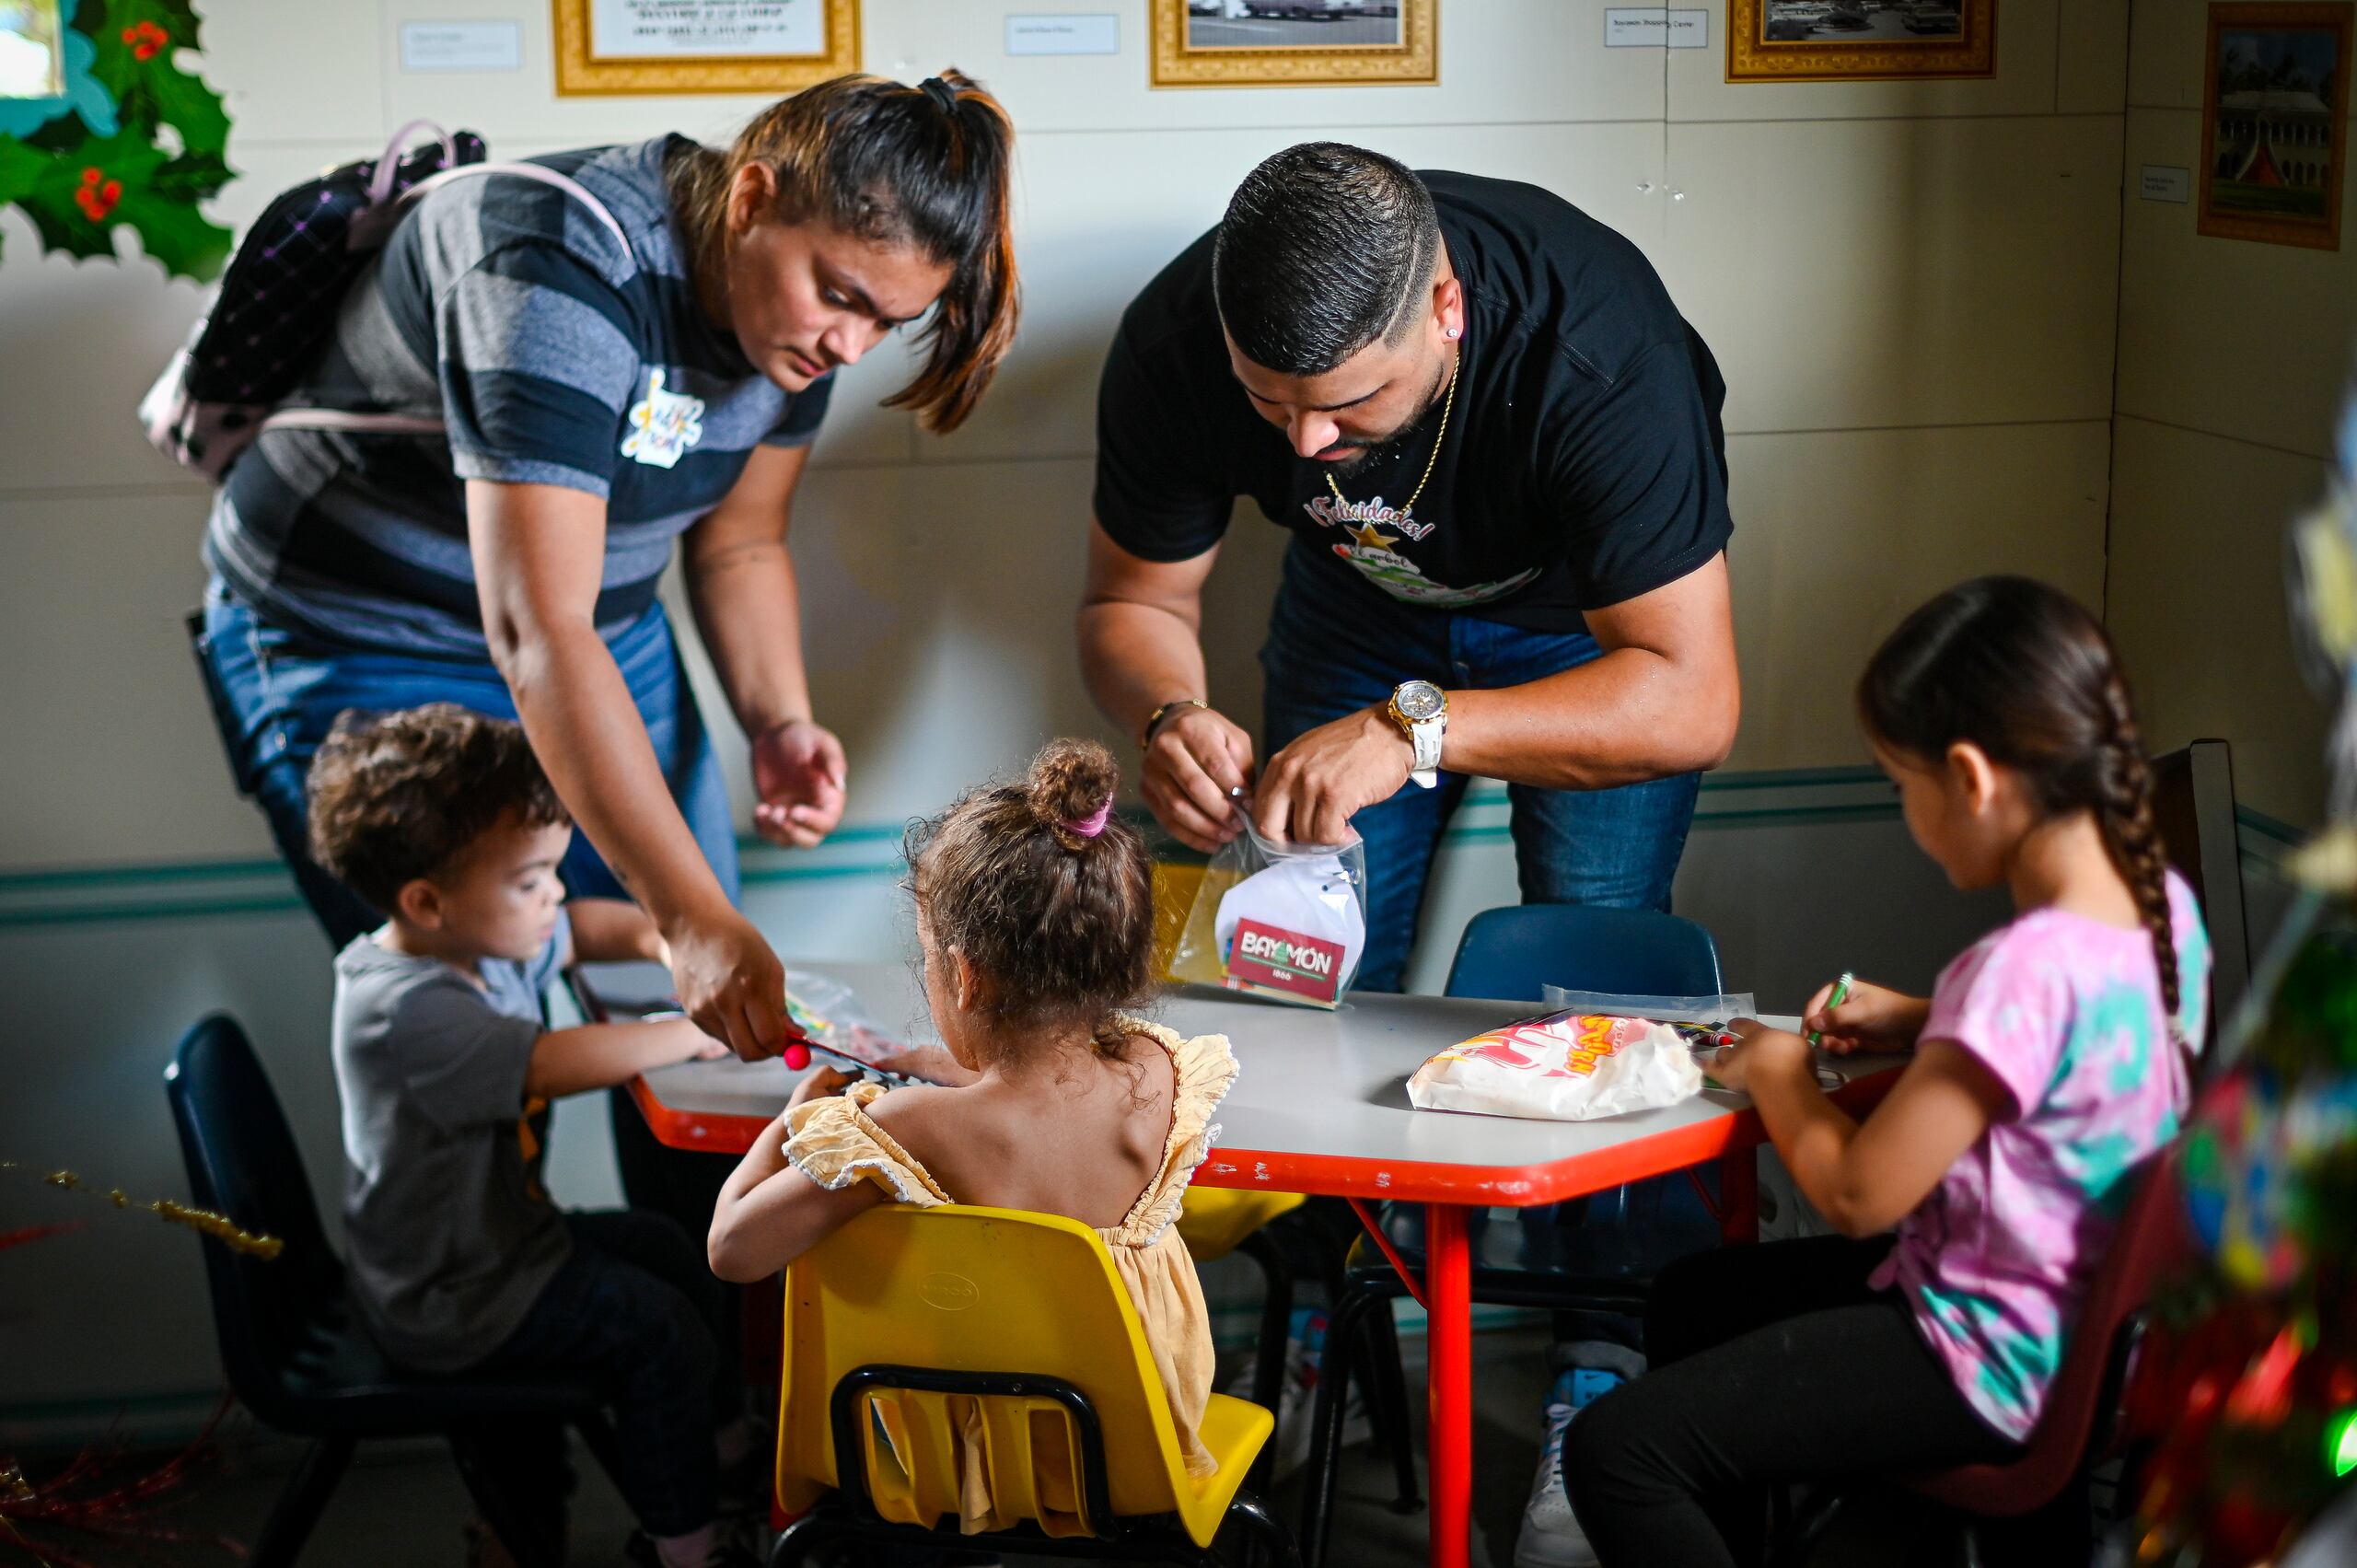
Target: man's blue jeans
<point x="1330" y="654"/>
<point x="276" y="695"/>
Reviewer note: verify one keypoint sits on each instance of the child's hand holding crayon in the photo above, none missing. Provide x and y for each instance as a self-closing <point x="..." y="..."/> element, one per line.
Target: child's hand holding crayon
<point x="1857" y="1014"/>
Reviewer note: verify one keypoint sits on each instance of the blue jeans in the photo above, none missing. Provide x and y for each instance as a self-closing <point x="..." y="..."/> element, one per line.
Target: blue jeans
<point x="276" y="695"/>
<point x="635" y="1307"/>
<point x="1333" y="651"/>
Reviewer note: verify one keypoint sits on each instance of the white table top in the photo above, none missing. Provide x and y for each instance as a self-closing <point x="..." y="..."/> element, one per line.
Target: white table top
<point x="1322" y="1097"/>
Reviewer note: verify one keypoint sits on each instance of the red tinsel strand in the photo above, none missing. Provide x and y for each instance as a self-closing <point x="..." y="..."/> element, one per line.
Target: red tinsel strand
<point x="110" y="1514"/>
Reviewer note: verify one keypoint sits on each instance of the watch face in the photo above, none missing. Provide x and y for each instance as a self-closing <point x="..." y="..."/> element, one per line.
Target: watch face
<point x="1419" y="699"/>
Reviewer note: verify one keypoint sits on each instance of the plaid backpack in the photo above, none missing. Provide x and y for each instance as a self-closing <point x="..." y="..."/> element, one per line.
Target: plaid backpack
<point x="278" y="302"/>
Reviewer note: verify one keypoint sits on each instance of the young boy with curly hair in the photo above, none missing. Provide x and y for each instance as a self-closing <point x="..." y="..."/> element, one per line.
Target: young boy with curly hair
<point x="443" y="820"/>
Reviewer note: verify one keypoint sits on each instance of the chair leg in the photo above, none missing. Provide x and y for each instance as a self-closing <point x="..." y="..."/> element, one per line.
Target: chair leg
<point x="299" y="1505"/>
<point x="1809" y="1524"/>
<point x="1276" y="1331"/>
<point x="528" y="1540"/>
<point x="1389" y="1380"/>
<point x="794" y="1543"/>
<point x="1273" y="1544"/>
<point x="1345" y="1339"/>
<point x="598" y="1436"/>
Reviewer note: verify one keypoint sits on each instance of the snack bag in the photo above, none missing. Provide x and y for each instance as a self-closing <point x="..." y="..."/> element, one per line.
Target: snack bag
<point x="1287" y="920"/>
<point x="1566" y="1066"/>
<point x="828" y="1014"/>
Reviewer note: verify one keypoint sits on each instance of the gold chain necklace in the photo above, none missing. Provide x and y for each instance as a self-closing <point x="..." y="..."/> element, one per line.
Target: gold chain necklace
<point x="1455" y="366"/>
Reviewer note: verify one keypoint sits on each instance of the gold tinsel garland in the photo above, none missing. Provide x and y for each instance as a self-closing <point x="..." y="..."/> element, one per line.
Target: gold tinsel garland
<point x="203" y="1221"/>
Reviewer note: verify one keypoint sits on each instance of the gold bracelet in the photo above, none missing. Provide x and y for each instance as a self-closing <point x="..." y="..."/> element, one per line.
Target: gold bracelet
<point x="1145" y="736"/>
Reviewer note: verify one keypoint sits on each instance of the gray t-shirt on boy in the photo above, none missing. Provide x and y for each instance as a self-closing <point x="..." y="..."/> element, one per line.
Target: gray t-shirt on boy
<point x="451" y="1239"/>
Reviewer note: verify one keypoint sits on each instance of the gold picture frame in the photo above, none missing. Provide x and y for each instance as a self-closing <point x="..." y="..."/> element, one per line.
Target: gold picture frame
<point x="2272" y="166"/>
<point x="1841" y="41"/>
<point x="583" y="69"/>
<point x="1296" y="43"/>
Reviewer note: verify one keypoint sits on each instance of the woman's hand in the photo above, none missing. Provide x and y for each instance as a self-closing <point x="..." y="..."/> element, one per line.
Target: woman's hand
<point x="798" y="773"/>
<point x="1871" y="1018"/>
<point x="1758" y="1049"/>
<point x="819" y="1083"/>
<point x="729" y="982"/>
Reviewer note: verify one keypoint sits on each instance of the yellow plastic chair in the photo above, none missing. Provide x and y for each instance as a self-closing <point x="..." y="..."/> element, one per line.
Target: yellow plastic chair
<point x="907" y="1320"/>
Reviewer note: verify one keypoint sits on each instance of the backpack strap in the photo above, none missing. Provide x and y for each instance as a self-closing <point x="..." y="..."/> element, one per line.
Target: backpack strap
<point x="419" y="425"/>
<point x="380" y="184"/>
<point x="541" y="172"/>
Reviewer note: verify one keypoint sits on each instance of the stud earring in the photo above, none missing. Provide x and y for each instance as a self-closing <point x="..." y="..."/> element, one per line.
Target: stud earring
<point x="1451" y="332"/>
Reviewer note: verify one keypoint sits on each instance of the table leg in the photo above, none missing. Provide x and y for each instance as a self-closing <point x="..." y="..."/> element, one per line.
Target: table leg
<point x="1448" y="1302"/>
<point x="1739" y="1195"/>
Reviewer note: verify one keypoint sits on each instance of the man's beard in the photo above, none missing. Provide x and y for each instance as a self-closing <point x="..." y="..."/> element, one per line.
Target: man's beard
<point x="1388" y="446"/>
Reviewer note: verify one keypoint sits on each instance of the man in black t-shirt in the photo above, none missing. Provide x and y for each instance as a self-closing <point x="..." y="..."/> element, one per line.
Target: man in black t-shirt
<point x="1498" y="447"/>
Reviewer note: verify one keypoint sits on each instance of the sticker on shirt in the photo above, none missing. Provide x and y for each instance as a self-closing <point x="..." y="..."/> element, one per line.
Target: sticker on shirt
<point x="1370" y="551"/>
<point x="664" y="426"/>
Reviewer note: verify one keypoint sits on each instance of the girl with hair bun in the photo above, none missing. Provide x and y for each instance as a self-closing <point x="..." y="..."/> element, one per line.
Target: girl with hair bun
<point x="1035" y="915"/>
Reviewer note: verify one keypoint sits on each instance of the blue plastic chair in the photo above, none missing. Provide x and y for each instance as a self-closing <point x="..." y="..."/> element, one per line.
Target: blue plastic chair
<point x="1514" y="955"/>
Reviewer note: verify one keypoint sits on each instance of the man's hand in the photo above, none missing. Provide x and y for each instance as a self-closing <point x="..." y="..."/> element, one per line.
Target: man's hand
<point x="1313" y="787"/>
<point x="729" y="982"/>
<point x="798" y="774"/>
<point x="1196" y="758"/>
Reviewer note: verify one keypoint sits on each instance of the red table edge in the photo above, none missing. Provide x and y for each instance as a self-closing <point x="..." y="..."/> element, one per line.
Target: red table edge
<point x="1339" y="1176"/>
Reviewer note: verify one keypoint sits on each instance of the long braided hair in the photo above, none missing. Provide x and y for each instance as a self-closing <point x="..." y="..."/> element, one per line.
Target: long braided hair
<point x="2023" y="673"/>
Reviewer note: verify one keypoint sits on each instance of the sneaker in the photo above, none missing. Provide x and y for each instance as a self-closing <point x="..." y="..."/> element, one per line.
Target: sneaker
<point x="1551" y="1536"/>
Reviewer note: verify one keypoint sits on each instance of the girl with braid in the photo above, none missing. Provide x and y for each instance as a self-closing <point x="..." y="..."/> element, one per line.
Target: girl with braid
<point x="1976" y="1203"/>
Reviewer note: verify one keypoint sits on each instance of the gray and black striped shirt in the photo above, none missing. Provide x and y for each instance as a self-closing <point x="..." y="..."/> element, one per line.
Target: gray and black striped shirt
<point x="505" y="308"/>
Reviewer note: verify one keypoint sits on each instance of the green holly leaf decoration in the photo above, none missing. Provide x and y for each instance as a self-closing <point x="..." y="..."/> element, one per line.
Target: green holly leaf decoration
<point x="78" y="188"/>
<point x="136" y="41"/>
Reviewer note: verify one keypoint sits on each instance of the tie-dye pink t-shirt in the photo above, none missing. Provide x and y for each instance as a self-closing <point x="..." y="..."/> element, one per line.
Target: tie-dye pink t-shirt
<point x="2066" y="1013"/>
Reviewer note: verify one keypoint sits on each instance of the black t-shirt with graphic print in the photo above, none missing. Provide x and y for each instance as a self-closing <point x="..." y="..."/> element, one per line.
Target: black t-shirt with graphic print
<point x="1585" y="462"/>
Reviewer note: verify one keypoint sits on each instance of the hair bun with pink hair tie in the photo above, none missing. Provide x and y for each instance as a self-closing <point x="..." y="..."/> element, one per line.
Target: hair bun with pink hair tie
<point x="1088" y="827"/>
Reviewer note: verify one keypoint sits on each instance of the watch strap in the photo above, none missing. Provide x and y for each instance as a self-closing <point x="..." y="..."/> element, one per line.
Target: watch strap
<point x="1154" y="720"/>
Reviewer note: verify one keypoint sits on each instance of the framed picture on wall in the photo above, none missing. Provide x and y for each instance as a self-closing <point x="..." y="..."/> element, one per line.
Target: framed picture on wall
<point x="1817" y="40"/>
<point x="2275" y="123"/>
<point x="1295" y="43"/>
<point x="702" y="46"/>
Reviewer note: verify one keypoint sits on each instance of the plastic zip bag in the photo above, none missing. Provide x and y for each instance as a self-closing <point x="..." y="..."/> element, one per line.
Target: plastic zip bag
<point x="1285" y="921"/>
<point x="829" y="1013"/>
<point x="1710" y="1011"/>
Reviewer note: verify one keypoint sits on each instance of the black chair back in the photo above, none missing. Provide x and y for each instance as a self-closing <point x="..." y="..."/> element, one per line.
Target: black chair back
<point x="2193" y="803"/>
<point x="242" y="1163"/>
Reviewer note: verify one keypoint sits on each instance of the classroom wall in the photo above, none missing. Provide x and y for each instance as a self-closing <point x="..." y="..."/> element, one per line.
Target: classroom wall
<point x="2233" y="360"/>
<point x="1911" y="288"/>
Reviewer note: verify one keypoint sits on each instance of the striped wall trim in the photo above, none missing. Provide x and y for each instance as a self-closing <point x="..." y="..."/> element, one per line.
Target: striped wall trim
<point x="41" y="897"/>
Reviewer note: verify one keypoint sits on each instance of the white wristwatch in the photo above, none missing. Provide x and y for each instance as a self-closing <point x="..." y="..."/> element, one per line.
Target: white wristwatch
<point x="1421" y="709"/>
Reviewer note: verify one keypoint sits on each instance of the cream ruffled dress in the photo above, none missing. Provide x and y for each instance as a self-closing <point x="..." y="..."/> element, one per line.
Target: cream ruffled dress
<point x="835" y="1142"/>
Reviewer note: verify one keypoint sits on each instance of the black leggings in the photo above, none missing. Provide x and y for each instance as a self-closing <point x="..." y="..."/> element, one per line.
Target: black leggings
<point x="1767" y="1365"/>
